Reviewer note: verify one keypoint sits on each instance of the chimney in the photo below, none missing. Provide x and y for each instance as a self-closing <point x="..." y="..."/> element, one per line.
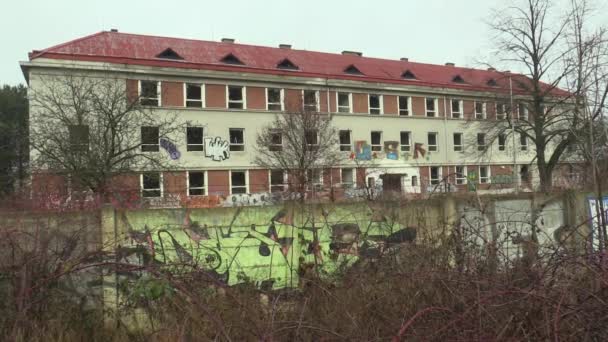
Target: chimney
<point x="228" y="40"/>
<point x="352" y="53"/>
<point x="491" y="69"/>
<point x="113" y="30"/>
<point x="285" y="46"/>
<point x="450" y="64"/>
<point x="405" y="59"/>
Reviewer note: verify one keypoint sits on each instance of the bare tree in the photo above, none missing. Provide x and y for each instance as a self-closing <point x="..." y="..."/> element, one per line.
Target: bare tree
<point x="302" y="144"/>
<point x="531" y="37"/>
<point x="91" y="130"/>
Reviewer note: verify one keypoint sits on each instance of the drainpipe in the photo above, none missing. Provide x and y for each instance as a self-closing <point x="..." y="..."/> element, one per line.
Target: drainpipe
<point x="445" y="131"/>
<point x="515" y="176"/>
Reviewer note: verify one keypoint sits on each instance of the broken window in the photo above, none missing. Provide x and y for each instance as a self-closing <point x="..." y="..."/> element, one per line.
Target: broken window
<point x="194" y="95"/>
<point x="194" y="139"/>
<point x="149" y="139"/>
<point x="196" y="183"/>
<point x="432" y="141"/>
<point x="236" y="97"/>
<point x="149" y="93"/>
<point x="151" y="184"/>
<point x="79" y="138"/>
<point x="238" y="182"/>
<point x="375" y="104"/>
<point x="274" y="99"/>
<point x="344" y="102"/>
<point x="431" y="107"/>
<point x="277" y="181"/>
<point x="345" y="143"/>
<point x="405" y="141"/>
<point x="237" y="139"/>
<point x="458" y="142"/>
<point x="311" y="102"/>
<point x="404" y="105"/>
<point x="376" y="138"/>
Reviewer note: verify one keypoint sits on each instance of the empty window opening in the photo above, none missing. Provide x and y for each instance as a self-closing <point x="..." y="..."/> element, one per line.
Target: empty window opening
<point x="311" y="137"/>
<point x="194" y="95"/>
<point x="524" y="173"/>
<point x="169" y="54"/>
<point x="237" y="139"/>
<point x="236" y="97"/>
<point x="151" y="184"/>
<point x="231" y="59"/>
<point x="375" y="104"/>
<point x="481" y="141"/>
<point x="196" y="183"/>
<point x="353" y="70"/>
<point x="431" y="107"/>
<point x="345" y="142"/>
<point x="460" y="174"/>
<point x="404" y="105"/>
<point x="277" y="181"/>
<point x="492" y="82"/>
<point x="274" y="99"/>
<point x="523" y="111"/>
<point x="502" y="142"/>
<point x="458" y="79"/>
<point x="311" y="101"/>
<point x="405" y="141"/>
<point x="523" y="142"/>
<point x="238" y="182"/>
<point x="432" y="141"/>
<point x="435" y="172"/>
<point x="408" y="75"/>
<point x="287" y="64"/>
<point x="194" y="139"/>
<point x="79" y="138"/>
<point x="344" y="102"/>
<point x="458" y="147"/>
<point x="456" y="109"/>
<point x="376" y="138"/>
<point x="149" y="93"/>
<point x="149" y="139"/>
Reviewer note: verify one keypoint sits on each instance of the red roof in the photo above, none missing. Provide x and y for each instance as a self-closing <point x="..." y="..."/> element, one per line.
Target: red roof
<point x="125" y="48"/>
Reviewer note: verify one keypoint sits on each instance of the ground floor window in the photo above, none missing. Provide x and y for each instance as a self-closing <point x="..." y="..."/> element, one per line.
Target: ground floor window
<point x="347" y="176"/>
<point x="461" y="174"/>
<point x="277" y="181"/>
<point x="238" y="182"/>
<point x="435" y="172"/>
<point x="197" y="183"/>
<point x="484" y="175"/>
<point x="151" y="184"/>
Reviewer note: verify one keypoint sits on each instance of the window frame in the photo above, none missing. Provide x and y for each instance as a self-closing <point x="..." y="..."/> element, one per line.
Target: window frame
<point x="504" y="110"/>
<point x="311" y="147"/>
<point x="380" y="107"/>
<point x="231" y="144"/>
<point x="458" y="147"/>
<point x="202" y="144"/>
<point x="526" y="111"/>
<point x="317" y="100"/>
<point x="282" y="185"/>
<point x="439" y="176"/>
<point x="523" y="142"/>
<point x="487" y="178"/>
<point x="275" y="147"/>
<point x="502" y="147"/>
<point x="434" y="147"/>
<point x="205" y="186"/>
<point x="460" y="108"/>
<point x="484" y="112"/>
<point x="317" y="183"/>
<point x="246" y="186"/>
<point x="481" y="147"/>
<point x="281" y="99"/>
<point x="201" y="100"/>
<point x="350" y="102"/>
<point x="379" y="146"/>
<point x="435" y="110"/>
<point x="160" y="189"/>
<point x="75" y="144"/>
<point x="350" y="141"/>
<point x="463" y="179"/>
<point x="351" y="184"/>
<point x="409" y="105"/>
<point x="142" y="149"/>
<point x="408" y="146"/>
<point x="158" y="94"/>
<point x="243" y="100"/>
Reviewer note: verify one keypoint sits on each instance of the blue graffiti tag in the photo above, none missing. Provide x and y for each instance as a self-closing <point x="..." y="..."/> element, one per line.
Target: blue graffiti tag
<point x="170" y="148"/>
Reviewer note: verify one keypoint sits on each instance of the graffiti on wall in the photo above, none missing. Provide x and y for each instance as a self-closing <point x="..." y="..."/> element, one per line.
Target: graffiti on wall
<point x="391" y="149"/>
<point x="170" y="147"/>
<point x="363" y="151"/>
<point x="268" y="249"/>
<point x="217" y="149"/>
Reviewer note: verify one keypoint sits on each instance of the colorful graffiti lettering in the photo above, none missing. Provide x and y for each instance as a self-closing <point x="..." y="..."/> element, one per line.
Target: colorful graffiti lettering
<point x="391" y="150"/>
<point x="170" y="147"/>
<point x="217" y="149"/>
<point x="363" y="151"/>
<point x="419" y="150"/>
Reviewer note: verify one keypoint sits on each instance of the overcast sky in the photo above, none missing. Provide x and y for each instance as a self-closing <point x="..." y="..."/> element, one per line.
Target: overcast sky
<point x="432" y="31"/>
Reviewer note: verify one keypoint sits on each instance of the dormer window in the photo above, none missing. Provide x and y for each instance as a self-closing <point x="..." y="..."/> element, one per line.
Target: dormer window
<point x="492" y="82"/>
<point x="287" y="64"/>
<point x="408" y="75"/>
<point x="169" y="54"/>
<point x="231" y="59"/>
<point x="458" y="79"/>
<point x="352" y="69"/>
